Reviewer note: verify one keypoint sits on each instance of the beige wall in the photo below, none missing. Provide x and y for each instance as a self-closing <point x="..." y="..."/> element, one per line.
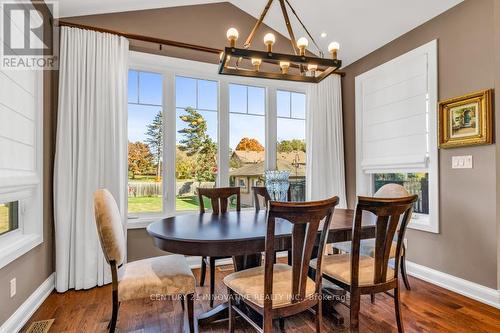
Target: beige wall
<point x="204" y="25"/>
<point x="33" y="268"/>
<point x="467" y="244"/>
<point x="140" y="245"/>
<point x="497" y="125"/>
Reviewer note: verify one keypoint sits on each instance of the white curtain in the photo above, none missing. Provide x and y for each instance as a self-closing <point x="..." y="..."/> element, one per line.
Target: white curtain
<point x="91" y="150"/>
<point x="325" y="141"/>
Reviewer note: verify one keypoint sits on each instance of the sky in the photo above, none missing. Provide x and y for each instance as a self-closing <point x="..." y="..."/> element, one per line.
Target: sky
<point x="246" y="104"/>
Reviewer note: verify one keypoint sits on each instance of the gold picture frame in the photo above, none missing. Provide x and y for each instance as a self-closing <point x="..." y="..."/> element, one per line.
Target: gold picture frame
<point x="466" y="120"/>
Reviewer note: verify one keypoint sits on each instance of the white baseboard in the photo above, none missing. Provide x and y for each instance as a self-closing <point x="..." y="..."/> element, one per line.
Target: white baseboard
<point x="460" y="286"/>
<point x="29" y="306"/>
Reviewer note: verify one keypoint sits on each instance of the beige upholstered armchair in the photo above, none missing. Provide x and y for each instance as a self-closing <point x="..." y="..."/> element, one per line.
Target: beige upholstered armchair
<point x="166" y="275"/>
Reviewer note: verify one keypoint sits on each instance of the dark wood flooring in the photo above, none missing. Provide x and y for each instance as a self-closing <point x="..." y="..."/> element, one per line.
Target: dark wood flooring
<point x="426" y="308"/>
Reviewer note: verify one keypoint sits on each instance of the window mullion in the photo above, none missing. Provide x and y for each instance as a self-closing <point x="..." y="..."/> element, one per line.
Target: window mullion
<point x="223" y="135"/>
<point x="169" y="143"/>
<point x="271" y="128"/>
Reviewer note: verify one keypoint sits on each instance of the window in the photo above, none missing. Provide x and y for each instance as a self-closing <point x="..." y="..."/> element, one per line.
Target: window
<point x="145" y="142"/>
<point x="21" y="163"/>
<point x="9" y="220"/>
<point x="415" y="183"/>
<point x="247" y="138"/>
<point x="191" y="127"/>
<point x="196" y="103"/>
<point x="291" y="134"/>
<point x="396" y="140"/>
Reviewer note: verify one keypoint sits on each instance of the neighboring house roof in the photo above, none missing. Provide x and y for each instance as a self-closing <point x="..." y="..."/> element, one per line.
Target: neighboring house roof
<point x="249" y="156"/>
<point x="258" y="156"/>
<point x="257" y="169"/>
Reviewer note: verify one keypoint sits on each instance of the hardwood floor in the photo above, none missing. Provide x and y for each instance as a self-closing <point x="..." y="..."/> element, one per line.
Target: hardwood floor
<point x="426" y="308"/>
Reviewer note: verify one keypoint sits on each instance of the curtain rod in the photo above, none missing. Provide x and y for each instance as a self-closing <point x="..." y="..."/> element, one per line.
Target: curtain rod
<point x="149" y="39"/>
<point x="155" y="40"/>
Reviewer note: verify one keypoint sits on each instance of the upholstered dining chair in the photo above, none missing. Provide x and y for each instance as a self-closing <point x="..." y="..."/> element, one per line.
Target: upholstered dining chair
<point x="261" y="192"/>
<point x="281" y="290"/>
<point x="167" y="275"/>
<point x="364" y="275"/>
<point x="367" y="246"/>
<point x="219" y="199"/>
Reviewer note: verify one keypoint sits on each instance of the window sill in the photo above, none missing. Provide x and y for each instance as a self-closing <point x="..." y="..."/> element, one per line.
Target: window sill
<point x="143" y="221"/>
<point x="17" y="244"/>
<point x="422" y="222"/>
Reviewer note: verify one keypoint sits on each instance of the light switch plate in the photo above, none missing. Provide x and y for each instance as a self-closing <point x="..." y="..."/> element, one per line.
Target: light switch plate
<point x="461" y="162"/>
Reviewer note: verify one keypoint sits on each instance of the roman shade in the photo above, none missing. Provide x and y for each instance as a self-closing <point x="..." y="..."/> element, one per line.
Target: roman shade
<point x="394" y="104"/>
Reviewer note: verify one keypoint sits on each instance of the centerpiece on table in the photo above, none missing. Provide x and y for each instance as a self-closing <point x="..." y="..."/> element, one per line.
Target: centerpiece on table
<point x="277" y="184"/>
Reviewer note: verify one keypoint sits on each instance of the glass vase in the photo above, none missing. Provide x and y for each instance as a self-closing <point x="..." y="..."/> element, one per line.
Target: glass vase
<point x="277" y="184"/>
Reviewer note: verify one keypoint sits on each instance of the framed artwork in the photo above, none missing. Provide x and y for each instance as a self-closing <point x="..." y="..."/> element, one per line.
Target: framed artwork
<point x="466" y="120"/>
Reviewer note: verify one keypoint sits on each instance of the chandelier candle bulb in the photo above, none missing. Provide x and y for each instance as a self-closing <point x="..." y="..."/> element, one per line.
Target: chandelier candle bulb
<point x="333" y="48"/>
<point x="302" y="44"/>
<point x="269" y="40"/>
<point x="284" y="66"/>
<point x="312" y="68"/>
<point x="232" y="36"/>
<point x="256" y="63"/>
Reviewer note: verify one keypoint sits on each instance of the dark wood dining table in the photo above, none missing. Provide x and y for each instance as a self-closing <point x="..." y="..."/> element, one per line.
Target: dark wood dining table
<point x="240" y="235"/>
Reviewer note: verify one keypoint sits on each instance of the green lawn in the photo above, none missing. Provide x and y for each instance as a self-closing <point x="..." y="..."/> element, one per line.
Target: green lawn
<point x="153" y="204"/>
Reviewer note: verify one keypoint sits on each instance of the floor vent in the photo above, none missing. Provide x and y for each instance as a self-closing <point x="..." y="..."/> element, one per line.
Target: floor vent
<point x="41" y="326"/>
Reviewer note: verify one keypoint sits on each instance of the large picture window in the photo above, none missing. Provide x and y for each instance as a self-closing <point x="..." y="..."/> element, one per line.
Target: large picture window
<point x="196" y="103"/>
<point x="189" y="127"/>
<point x="145" y="142"/>
<point x="247" y="139"/>
<point x="291" y="134"/>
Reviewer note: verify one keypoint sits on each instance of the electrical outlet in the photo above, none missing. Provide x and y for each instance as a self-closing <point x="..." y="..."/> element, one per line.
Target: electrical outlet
<point x="12" y="287"/>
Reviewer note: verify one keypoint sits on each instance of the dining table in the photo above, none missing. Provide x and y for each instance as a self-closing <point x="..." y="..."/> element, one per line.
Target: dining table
<point x="240" y="235"/>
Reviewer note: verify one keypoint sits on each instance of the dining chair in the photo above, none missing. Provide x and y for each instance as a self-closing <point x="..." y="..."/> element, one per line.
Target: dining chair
<point x="281" y="290"/>
<point x="367" y="246"/>
<point x="219" y="199"/>
<point x="261" y="192"/>
<point x="167" y="275"/>
<point x="364" y="275"/>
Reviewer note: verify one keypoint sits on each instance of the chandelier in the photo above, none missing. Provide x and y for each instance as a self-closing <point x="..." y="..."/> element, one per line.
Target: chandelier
<point x="267" y="64"/>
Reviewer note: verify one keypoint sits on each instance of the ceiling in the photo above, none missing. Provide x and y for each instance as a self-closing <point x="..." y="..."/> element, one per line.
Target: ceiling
<point x="360" y="26"/>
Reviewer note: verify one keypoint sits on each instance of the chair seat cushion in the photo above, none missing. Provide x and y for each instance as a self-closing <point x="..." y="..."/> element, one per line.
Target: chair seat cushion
<point x="249" y="284"/>
<point x="165" y="275"/>
<point x="366" y="248"/>
<point x="338" y="266"/>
